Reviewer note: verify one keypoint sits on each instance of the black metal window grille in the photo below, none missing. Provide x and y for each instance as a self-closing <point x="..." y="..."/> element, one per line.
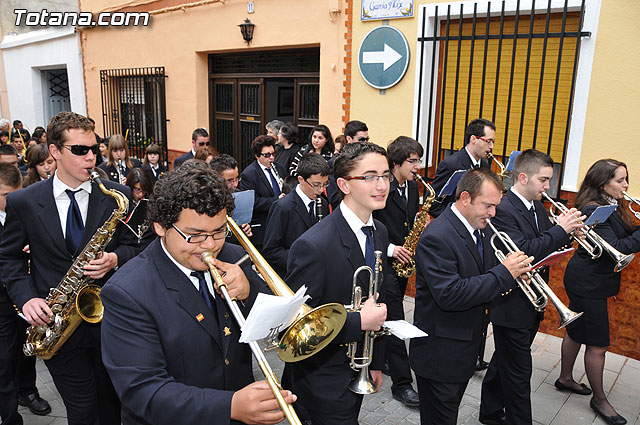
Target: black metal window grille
<point x="134" y="105"/>
<point x="519" y="70"/>
<point x="309" y="101"/>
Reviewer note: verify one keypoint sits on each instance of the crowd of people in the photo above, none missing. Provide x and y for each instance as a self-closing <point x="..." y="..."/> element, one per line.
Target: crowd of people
<point x="167" y="349"/>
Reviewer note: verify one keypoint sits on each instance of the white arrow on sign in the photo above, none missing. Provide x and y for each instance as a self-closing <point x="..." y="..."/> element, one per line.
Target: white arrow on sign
<point x="387" y="57"/>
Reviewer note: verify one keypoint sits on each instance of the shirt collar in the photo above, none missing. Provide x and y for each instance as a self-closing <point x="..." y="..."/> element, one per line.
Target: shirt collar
<point x="463" y="220"/>
<point x="302" y="196"/>
<point x="473" y="160"/>
<point x="187" y="271"/>
<point x="352" y="219"/>
<point x="527" y="204"/>
<point x="59" y="187"/>
<point x="263" y="167"/>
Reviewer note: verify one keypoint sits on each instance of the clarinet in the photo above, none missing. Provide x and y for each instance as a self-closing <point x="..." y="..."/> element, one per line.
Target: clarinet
<point x="319" y="208"/>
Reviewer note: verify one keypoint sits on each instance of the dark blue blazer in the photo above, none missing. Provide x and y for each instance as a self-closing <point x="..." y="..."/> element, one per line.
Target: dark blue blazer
<point x="288" y="219"/>
<point x="32" y="218"/>
<point x="161" y="170"/>
<point x="112" y="172"/>
<point x="514" y="310"/>
<point x="253" y="178"/>
<point x="167" y="365"/>
<point x="453" y="289"/>
<point x="182" y="158"/>
<point x="397" y="217"/>
<point x="324" y="259"/>
<point x="6" y="305"/>
<point x="458" y="161"/>
<point x="595" y="278"/>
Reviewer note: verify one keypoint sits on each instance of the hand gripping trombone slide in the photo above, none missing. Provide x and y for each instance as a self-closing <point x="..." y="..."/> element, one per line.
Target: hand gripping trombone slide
<point x="287" y="409"/>
<point x="537" y="291"/>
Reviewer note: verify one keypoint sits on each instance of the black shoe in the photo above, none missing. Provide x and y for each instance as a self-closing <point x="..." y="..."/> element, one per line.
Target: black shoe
<point x="496" y="418"/>
<point x="584" y="390"/>
<point x="481" y="364"/>
<point x="408" y="397"/>
<point x="613" y="420"/>
<point x="35" y="403"/>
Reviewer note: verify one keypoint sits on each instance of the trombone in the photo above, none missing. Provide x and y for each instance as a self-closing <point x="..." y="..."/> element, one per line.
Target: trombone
<point x="207" y="258"/>
<point x="631" y="202"/>
<point x="537" y="291"/>
<point x="596" y="242"/>
<point x="503" y="170"/>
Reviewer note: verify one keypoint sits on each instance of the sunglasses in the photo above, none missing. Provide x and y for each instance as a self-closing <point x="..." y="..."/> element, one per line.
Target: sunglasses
<point x="203" y="144"/>
<point x="82" y="150"/>
<point x="363" y="139"/>
<point x="267" y="154"/>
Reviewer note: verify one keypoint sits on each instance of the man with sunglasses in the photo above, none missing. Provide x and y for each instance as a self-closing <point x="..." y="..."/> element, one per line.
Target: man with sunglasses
<point x="199" y="138"/>
<point x="264" y="177"/>
<point x="56" y="218"/>
<point x="324" y="259"/>
<point x="294" y="214"/>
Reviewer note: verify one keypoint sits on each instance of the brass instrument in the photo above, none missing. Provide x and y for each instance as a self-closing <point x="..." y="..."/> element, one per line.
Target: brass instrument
<point x="75" y="298"/>
<point x="503" y="170"/>
<point x="631" y="202"/>
<point x="361" y="382"/>
<point x="314" y="328"/>
<point x="411" y="240"/>
<point x="537" y="290"/>
<point x="271" y="378"/>
<point x="318" y="207"/>
<point x="592" y="236"/>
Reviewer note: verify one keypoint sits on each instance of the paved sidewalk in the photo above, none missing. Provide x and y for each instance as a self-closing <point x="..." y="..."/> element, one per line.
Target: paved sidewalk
<point x="550" y="406"/>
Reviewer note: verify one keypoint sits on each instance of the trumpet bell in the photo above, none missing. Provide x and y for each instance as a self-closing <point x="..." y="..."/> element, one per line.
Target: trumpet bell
<point x="567" y="317"/>
<point x="362" y="383"/>
<point x="311" y="332"/>
<point x="623" y="262"/>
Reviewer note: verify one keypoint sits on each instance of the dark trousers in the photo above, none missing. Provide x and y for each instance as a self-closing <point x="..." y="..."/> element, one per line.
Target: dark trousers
<point x="336" y="417"/>
<point x="82" y="380"/>
<point x="17" y="371"/>
<point x="507" y="383"/>
<point x="396" y="350"/>
<point x="439" y="401"/>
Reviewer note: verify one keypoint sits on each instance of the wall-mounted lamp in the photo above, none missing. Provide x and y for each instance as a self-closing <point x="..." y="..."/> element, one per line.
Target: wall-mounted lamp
<point x="246" y="29"/>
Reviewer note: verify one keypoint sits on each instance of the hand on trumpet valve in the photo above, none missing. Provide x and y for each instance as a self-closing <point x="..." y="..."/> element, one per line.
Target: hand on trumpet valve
<point x="256" y="404"/>
<point x="571" y="220"/>
<point x="517" y="263"/>
<point x="237" y="284"/>
<point x="372" y="315"/>
<point x="401" y="254"/>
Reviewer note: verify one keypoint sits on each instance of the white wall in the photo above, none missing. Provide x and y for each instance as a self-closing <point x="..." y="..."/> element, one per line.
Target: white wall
<point x="25" y="56"/>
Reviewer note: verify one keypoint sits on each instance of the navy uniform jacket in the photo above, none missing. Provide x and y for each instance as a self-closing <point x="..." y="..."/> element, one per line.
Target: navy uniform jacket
<point x="453" y="288"/>
<point x="458" y="161"/>
<point x="6" y="305"/>
<point x="161" y="170"/>
<point x="253" y="178"/>
<point x="324" y="259"/>
<point x="112" y="171"/>
<point x="397" y="217"/>
<point x="595" y="278"/>
<point x="288" y="219"/>
<point x="32" y="218"/>
<point x="514" y="310"/>
<point x="182" y="158"/>
<point x="168" y="364"/>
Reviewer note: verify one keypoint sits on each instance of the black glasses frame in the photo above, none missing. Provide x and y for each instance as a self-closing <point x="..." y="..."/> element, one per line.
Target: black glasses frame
<point x="82" y="150"/>
<point x="219" y="235"/>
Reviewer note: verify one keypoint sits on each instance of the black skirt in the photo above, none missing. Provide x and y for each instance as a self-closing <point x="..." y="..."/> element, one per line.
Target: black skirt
<point x="592" y="328"/>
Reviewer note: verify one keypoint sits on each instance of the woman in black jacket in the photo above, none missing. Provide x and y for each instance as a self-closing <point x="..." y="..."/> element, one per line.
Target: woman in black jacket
<point x="590" y="282"/>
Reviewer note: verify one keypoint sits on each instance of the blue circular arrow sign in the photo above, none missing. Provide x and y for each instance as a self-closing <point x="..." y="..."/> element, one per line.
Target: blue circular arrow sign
<point x="384" y="57"/>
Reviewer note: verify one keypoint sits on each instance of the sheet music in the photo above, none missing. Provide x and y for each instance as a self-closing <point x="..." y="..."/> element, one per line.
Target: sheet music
<point x="243" y="212"/>
<point x="404" y="330"/>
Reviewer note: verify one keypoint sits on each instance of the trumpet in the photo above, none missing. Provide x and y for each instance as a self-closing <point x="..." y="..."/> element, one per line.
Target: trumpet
<point x="361" y="382"/>
<point x="503" y="170"/>
<point x="537" y="291"/>
<point x="599" y="244"/>
<point x="631" y="202"/>
<point x="207" y="258"/>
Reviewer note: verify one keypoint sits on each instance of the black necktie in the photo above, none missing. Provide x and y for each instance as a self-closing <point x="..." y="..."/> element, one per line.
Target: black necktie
<point x="402" y="194"/>
<point x="274" y="183"/>
<point x="532" y="210"/>
<point x="478" y="236"/>
<point x="312" y="214"/>
<point x="75" y="226"/>
<point x="369" y="258"/>
<point x="204" y="292"/>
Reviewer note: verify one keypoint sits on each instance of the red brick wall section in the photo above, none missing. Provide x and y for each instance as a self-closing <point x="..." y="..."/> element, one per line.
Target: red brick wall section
<point x="624" y="309"/>
<point x="346" y="95"/>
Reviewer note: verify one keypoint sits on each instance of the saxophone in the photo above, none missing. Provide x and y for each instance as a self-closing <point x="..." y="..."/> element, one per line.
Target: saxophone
<point x="411" y="240"/>
<point x="76" y="298"/>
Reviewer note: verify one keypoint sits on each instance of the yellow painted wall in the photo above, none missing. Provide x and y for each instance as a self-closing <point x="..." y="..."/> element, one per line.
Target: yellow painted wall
<point x="612" y="125"/>
<point x="181" y="40"/>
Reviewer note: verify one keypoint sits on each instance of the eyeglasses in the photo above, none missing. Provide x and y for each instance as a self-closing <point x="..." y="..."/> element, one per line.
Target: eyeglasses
<point x="267" y="154"/>
<point x="317" y="185"/>
<point x="363" y="139"/>
<point x="413" y="161"/>
<point x="388" y="178"/>
<point x="221" y="234"/>
<point x="488" y="141"/>
<point x="82" y="150"/>
<point x="136" y="190"/>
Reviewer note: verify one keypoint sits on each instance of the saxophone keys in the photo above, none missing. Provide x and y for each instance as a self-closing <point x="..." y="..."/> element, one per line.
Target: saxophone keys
<point x="57" y="308"/>
<point x="42" y="329"/>
<point x="57" y="323"/>
<point x="28" y="349"/>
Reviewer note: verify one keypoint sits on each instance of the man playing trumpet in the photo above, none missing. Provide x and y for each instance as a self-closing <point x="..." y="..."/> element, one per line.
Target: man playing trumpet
<point x="170" y="343"/>
<point x="521" y="214"/>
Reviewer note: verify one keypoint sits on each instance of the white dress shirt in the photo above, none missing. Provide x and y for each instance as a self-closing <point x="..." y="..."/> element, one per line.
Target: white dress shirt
<point x="187" y="272"/>
<point x="356" y="225"/>
<point x="305" y="198"/>
<point x="63" y="201"/>
<point x="465" y="222"/>
<point x="268" y="172"/>
<point x="3" y="216"/>
<point x="473" y="160"/>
